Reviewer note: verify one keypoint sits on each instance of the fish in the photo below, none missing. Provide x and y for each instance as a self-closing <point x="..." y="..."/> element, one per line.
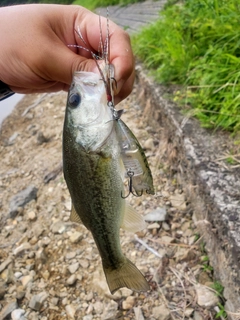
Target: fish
<point x="94" y="167"/>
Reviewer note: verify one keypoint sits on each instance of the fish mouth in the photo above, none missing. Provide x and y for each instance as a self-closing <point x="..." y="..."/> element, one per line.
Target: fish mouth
<point x="92" y="137"/>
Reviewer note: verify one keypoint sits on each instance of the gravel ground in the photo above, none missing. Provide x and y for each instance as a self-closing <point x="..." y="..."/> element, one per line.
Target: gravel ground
<point x="50" y="267"/>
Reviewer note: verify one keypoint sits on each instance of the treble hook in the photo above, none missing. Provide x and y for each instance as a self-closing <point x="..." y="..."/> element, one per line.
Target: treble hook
<point x="130" y="174"/>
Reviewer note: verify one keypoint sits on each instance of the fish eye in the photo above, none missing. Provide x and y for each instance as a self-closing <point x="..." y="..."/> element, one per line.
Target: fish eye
<point x="74" y="99"/>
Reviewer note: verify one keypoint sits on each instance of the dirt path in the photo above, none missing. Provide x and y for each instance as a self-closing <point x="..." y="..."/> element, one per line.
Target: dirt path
<point x="50" y="267"/>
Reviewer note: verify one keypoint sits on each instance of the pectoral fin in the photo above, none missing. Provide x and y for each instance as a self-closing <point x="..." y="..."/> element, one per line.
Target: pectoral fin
<point x="74" y="217"/>
<point x="132" y="221"/>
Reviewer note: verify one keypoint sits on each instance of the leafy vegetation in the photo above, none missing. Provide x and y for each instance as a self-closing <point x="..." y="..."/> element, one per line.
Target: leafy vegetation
<point x="197" y="44"/>
<point x="218" y="288"/>
<point x="222" y="313"/>
<point x="93" y="4"/>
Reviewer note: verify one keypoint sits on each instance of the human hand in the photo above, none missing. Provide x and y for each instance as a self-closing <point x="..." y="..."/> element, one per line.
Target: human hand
<point x="34" y="53"/>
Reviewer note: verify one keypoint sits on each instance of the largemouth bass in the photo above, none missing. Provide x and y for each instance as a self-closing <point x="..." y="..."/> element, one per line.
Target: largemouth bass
<point x="99" y="151"/>
<point x="93" y="170"/>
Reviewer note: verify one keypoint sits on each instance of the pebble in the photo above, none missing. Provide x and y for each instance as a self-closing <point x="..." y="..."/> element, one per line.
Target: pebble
<point x="54" y="301"/>
<point x="89" y="296"/>
<point x="17" y="314"/>
<point x="206" y="297"/>
<point x="167" y="239"/>
<point x="148" y="144"/>
<point x="46" y="241"/>
<point x="84" y="263"/>
<point x="8" y="276"/>
<point x="4" y="264"/>
<point x="188" y="312"/>
<point x="89" y="309"/>
<point x="33" y="316"/>
<point x="23" y="247"/>
<point x="88" y="317"/>
<point x="161" y="313"/>
<point x="138" y="313"/>
<point x="154" y="225"/>
<point x="191" y="240"/>
<point x="125" y="292"/>
<point x="156" y="215"/>
<point x="128" y="303"/>
<point x="18" y="274"/>
<point x="70" y="255"/>
<point x="20" y="292"/>
<point x="68" y="205"/>
<point x="8" y="309"/>
<point x="98" y="307"/>
<point x="37" y="230"/>
<point x="110" y="310"/>
<point x="76" y="237"/>
<point x="26" y="280"/>
<point x="71" y="280"/>
<point x="63" y="294"/>
<point x="65" y="301"/>
<point x="12" y="139"/>
<point x="45" y="275"/>
<point x="31" y="216"/>
<point x="197" y="316"/>
<point x="21" y="199"/>
<point x="58" y="227"/>
<point x="178" y="201"/>
<point x="37" y="300"/>
<point x="70" y="310"/>
<point x="41" y="138"/>
<point x="41" y="255"/>
<point x="73" y="267"/>
<point x="165" y="226"/>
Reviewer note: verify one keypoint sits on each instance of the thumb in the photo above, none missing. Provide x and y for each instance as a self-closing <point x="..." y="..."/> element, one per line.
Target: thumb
<point x="62" y="63"/>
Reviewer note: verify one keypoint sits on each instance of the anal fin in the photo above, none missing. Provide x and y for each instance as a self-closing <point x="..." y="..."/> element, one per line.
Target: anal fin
<point x="74" y="217"/>
<point x="132" y="221"/>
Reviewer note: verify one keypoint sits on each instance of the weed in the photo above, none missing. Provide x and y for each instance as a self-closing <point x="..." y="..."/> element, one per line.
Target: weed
<point x="202" y="247"/>
<point x="218" y="288"/>
<point x="197" y="44"/>
<point x="231" y="161"/>
<point x="206" y="266"/>
<point x="221" y="313"/>
<point x="196" y="237"/>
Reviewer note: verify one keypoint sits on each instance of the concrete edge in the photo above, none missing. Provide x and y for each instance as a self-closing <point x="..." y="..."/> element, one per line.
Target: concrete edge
<point x="212" y="188"/>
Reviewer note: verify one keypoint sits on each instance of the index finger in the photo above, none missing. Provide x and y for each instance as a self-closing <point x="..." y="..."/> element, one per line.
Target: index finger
<point x="121" y="55"/>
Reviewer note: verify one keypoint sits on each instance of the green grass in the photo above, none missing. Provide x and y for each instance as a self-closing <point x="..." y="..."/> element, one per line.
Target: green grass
<point x="93" y="4"/>
<point x="222" y="313"/>
<point x="196" y="43"/>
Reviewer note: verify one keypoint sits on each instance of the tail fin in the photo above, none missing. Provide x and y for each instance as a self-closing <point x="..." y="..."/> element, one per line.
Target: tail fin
<point x="126" y="275"/>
